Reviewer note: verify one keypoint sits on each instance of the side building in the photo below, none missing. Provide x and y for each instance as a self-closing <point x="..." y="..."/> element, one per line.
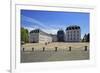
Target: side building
<point x="73" y="34"/>
<point x="60" y="36"/>
<point x="39" y="36"/>
<point x="54" y="37"/>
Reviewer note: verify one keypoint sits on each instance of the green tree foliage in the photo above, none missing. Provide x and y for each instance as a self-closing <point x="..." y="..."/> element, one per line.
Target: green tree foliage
<point x="86" y="38"/>
<point x="24" y="35"/>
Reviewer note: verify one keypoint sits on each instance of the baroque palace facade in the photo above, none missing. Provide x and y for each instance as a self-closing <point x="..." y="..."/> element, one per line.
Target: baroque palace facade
<point x="71" y="34"/>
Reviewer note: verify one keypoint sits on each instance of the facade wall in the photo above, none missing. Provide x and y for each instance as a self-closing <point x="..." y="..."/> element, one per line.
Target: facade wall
<point x="33" y="37"/>
<point x="39" y="37"/>
<point x="44" y="38"/>
<point x="54" y="38"/>
<point x="73" y="35"/>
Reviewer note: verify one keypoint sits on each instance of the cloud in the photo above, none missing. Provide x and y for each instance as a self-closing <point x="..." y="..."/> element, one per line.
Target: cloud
<point x="57" y="26"/>
<point x="31" y="24"/>
<point x="34" y="22"/>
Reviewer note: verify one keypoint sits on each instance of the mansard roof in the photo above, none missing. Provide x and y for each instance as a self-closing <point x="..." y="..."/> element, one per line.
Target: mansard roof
<point x="39" y="31"/>
<point x="73" y="27"/>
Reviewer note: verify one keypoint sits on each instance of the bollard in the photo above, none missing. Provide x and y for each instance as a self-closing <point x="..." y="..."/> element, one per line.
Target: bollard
<point x="43" y="49"/>
<point x="85" y="48"/>
<point x="56" y="49"/>
<point x="32" y="49"/>
<point x="69" y="48"/>
<point x="45" y="43"/>
<point x="23" y="49"/>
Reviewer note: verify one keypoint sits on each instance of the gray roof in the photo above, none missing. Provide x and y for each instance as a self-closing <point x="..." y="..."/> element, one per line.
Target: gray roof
<point x="73" y="27"/>
<point x="39" y="31"/>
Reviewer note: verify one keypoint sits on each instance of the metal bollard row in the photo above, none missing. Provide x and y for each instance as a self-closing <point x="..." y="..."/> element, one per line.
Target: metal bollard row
<point x="56" y="49"/>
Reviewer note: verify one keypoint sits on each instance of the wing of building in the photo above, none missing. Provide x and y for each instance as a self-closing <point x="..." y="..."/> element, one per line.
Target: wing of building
<point x="73" y="33"/>
<point x="39" y="36"/>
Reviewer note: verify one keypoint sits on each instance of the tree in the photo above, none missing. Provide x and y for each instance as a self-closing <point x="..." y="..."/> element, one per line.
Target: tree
<point x="86" y="38"/>
<point x="24" y="35"/>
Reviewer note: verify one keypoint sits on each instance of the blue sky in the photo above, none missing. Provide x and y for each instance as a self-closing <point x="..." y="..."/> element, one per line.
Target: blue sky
<point x="52" y="21"/>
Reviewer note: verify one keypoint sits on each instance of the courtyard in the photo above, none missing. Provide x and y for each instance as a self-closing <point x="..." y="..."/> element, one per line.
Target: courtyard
<point x="55" y="51"/>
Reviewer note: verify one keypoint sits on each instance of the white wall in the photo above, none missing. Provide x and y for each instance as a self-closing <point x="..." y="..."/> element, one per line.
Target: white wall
<point x="44" y="38"/>
<point x="71" y="36"/>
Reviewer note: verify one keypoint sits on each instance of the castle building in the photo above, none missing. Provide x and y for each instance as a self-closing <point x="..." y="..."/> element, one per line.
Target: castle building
<point x="39" y="36"/>
<point x="73" y="34"/>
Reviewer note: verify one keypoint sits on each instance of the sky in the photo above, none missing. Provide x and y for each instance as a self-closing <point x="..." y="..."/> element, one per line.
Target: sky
<point x="52" y="21"/>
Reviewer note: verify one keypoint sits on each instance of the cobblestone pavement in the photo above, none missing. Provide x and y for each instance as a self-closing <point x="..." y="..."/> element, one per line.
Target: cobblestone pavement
<point x="50" y="55"/>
